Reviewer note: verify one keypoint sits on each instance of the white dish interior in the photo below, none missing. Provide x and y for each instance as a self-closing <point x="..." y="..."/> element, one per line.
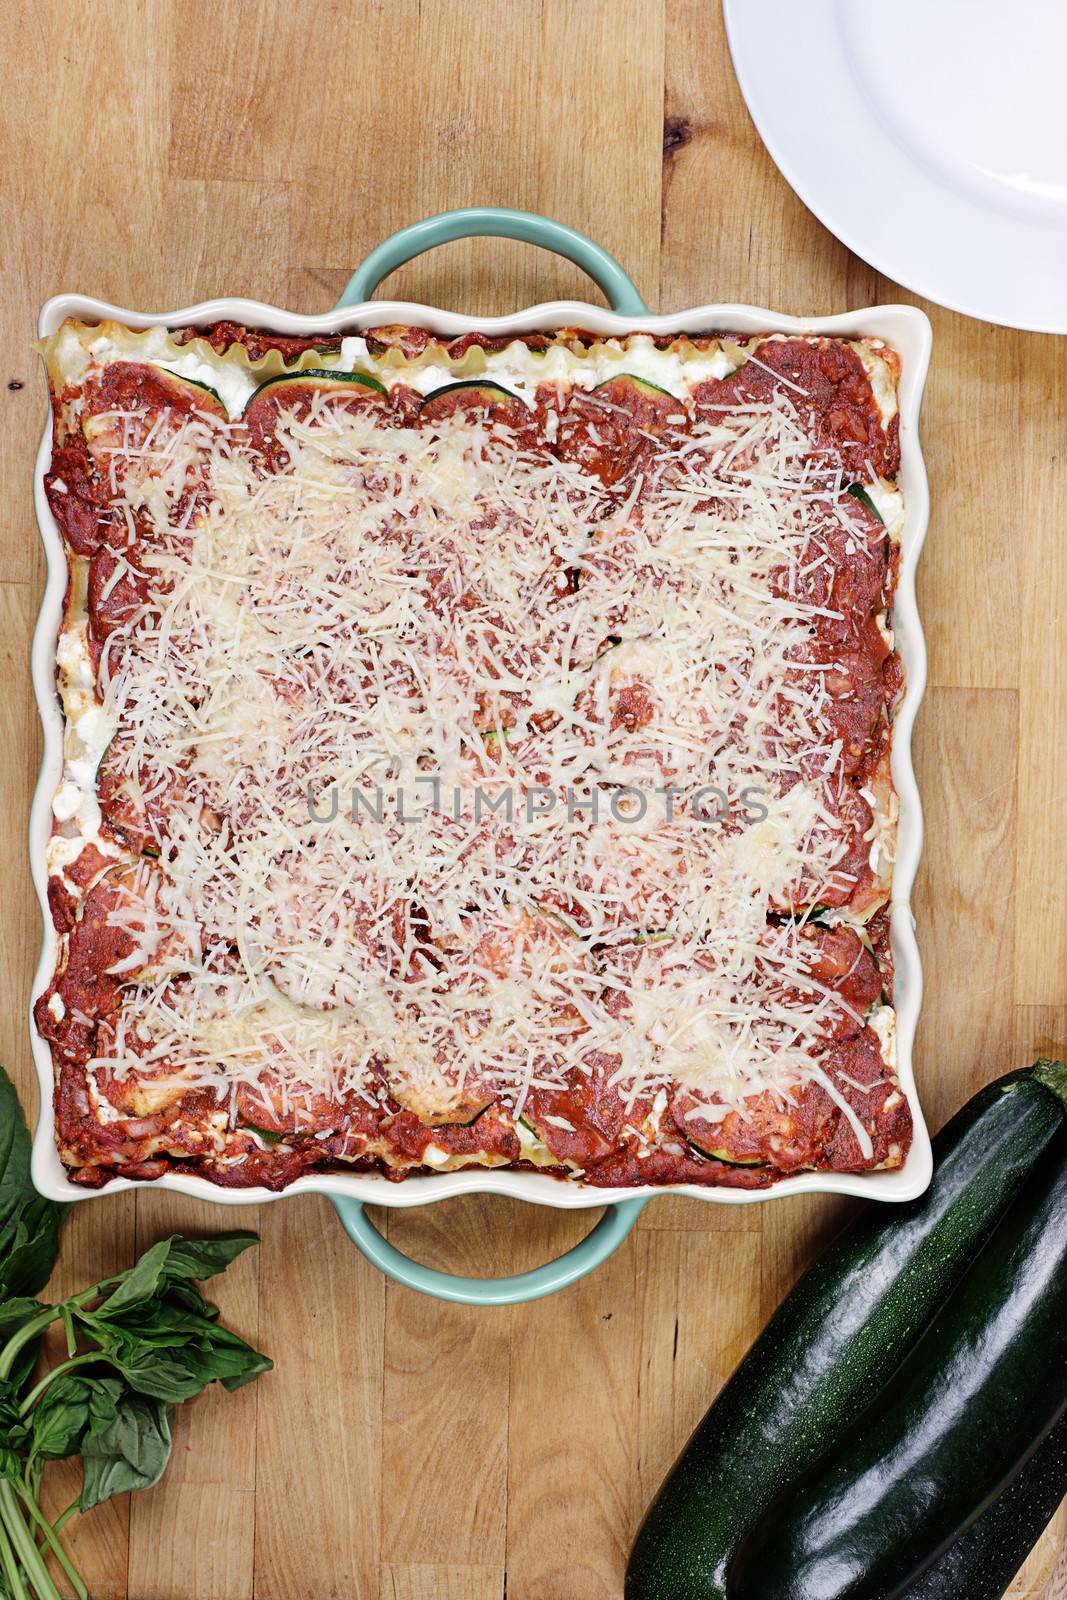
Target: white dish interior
<point x="907" y="330"/>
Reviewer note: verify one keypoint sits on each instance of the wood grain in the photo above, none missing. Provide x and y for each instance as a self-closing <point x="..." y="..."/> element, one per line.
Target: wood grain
<point x="446" y="1379"/>
<point x="159" y="151"/>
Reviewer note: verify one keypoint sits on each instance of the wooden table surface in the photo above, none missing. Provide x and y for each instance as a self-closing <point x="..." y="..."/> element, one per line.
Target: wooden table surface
<point x="156" y="152"/>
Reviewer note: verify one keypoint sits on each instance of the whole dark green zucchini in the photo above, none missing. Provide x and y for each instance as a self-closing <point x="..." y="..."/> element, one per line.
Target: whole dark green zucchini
<point x="982" y="1562"/>
<point x="962" y="1416"/>
<point x="838" y="1337"/>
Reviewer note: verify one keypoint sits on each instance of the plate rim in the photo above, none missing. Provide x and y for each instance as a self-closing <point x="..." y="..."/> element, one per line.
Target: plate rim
<point x="738" y="18"/>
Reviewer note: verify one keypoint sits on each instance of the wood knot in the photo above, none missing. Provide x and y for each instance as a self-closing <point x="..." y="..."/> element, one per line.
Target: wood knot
<point x="677" y="132"/>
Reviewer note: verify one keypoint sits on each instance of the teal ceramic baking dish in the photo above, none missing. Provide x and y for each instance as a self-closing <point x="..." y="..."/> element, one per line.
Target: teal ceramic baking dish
<point x="903" y="327"/>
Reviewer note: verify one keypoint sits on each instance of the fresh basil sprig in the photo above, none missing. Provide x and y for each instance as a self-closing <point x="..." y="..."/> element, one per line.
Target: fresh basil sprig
<point x="137" y="1344"/>
<point x="29" y="1224"/>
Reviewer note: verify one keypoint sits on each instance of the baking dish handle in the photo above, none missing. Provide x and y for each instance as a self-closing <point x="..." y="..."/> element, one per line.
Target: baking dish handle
<point x="608" y="1234"/>
<point x="479" y="222"/>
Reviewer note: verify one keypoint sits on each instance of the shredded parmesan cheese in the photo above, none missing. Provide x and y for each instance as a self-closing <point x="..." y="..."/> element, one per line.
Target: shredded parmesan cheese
<point x="467" y="777"/>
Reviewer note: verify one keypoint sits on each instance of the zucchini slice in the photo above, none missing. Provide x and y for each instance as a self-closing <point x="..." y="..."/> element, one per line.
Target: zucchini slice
<point x="314" y="380"/>
<point x="575" y="1146"/>
<point x="858" y="492"/>
<point x="189" y="395"/>
<point x="718" y="1153"/>
<point x="642" y="385"/>
<point x="532" y="1127"/>
<point x="132" y="878"/>
<point x="708" y="1144"/>
<point x="205" y="397"/>
<point x="268" y="1135"/>
<point x="481" y="391"/>
<point x="533" y="1147"/>
<point x="435" y="1109"/>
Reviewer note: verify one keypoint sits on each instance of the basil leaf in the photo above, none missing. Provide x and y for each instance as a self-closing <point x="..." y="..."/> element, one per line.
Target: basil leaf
<point x="61" y="1415"/>
<point x="174" y="1260"/>
<point x="32" y="1248"/>
<point x="188" y="1296"/>
<point x="14" y="1312"/>
<point x="14" y="1432"/>
<point x="159" y="1376"/>
<point x="126" y="1446"/>
<point x="139" y="1283"/>
<point x="179" y="1370"/>
<point x="29" y="1224"/>
<point x="15" y="1185"/>
<point x="203" y="1258"/>
<point x="173" y="1348"/>
<point x="222" y="1357"/>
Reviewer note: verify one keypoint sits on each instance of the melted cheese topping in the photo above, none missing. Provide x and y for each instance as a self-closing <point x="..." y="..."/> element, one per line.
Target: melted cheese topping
<point x="437" y="816"/>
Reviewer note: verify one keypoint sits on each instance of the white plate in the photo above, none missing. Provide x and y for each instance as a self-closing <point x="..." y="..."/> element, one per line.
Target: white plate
<point x="930" y="136"/>
<point x="907" y="330"/>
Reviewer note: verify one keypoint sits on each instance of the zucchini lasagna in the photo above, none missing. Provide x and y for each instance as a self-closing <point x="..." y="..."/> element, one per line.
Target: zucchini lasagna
<point x="476" y="754"/>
